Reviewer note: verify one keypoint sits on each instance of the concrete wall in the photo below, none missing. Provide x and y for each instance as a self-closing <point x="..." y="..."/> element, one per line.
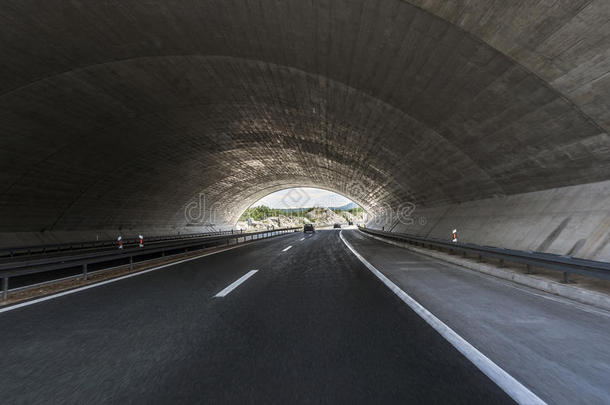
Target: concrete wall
<point x="571" y="220"/>
<point x="116" y="115"/>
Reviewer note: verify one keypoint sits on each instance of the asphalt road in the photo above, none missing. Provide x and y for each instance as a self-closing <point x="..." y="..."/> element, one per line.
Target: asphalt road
<point x="313" y="325"/>
<point x="557" y="348"/>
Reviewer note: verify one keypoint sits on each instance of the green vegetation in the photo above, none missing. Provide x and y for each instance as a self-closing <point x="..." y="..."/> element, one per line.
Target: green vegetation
<point x="356" y="211"/>
<point x="262" y="211"/>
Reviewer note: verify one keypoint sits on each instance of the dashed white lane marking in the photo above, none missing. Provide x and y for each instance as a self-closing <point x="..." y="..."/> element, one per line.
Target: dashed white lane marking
<point x="505" y="381"/>
<point x="101" y="283"/>
<point x="302" y="239"/>
<point x="235" y="284"/>
<point x="287" y="248"/>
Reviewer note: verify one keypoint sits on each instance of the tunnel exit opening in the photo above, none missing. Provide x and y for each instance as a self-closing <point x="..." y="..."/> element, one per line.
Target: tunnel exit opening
<point x="298" y="206"/>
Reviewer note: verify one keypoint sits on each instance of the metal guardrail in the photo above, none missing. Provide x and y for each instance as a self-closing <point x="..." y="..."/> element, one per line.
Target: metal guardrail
<point x="125" y="255"/>
<point x="9" y="252"/>
<point x="564" y="264"/>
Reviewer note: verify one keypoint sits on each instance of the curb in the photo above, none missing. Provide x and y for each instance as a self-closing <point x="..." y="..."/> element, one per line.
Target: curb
<point x="574" y="293"/>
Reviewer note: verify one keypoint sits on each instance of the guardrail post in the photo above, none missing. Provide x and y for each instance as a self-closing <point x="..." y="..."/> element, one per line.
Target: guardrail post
<point x="130" y="262"/>
<point x="566" y="278"/>
<point x="528" y="269"/>
<point x="4" y="288"/>
<point x="85" y="275"/>
<point x="501" y="262"/>
<point x="480" y="259"/>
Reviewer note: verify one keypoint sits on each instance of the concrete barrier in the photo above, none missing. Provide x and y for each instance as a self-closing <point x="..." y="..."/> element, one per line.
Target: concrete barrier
<point x="578" y="294"/>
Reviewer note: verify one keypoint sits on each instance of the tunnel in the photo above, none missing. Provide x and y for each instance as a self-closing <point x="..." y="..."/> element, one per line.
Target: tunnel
<point x="122" y="116"/>
<point x="470" y="139"/>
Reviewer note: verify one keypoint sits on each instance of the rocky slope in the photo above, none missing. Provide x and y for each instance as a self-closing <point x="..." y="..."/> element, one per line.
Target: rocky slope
<point x="320" y="217"/>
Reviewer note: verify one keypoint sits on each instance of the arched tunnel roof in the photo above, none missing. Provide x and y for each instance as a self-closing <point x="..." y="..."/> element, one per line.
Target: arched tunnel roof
<point x="119" y="113"/>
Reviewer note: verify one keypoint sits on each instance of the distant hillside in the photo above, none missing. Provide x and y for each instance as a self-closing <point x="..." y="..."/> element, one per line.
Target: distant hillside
<point x="262" y="211"/>
<point x="346" y="207"/>
<point x="262" y="217"/>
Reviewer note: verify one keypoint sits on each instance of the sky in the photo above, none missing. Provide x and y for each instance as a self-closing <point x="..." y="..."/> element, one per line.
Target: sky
<point x="302" y="197"/>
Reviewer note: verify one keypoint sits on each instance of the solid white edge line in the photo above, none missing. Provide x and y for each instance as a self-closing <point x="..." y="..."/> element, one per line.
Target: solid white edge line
<point x="287" y="248"/>
<point x="508" y="283"/>
<point x="505" y="381"/>
<point x="75" y="290"/>
<point x="235" y="284"/>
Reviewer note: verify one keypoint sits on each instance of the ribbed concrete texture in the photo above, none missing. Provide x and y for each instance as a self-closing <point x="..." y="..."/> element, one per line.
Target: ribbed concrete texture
<point x="571" y="220"/>
<point x="164" y="116"/>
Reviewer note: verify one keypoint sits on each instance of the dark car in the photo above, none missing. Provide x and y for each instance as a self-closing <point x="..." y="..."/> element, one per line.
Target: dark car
<point x="337" y="225"/>
<point x="308" y="228"/>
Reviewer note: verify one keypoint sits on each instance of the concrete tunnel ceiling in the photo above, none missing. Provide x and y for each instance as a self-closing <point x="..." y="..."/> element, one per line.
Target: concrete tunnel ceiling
<point x="118" y="114"/>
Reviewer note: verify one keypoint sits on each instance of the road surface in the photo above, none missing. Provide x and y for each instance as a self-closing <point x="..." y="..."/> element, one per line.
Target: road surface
<point x="312" y="325"/>
<point x="557" y="348"/>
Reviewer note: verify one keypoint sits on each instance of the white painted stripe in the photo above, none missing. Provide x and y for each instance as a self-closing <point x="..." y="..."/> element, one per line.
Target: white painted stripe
<point x="507" y="283"/>
<point x="75" y="290"/>
<point x="236" y="284"/>
<point x="302" y="239"/>
<point x="287" y="248"/>
<point x="505" y="381"/>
